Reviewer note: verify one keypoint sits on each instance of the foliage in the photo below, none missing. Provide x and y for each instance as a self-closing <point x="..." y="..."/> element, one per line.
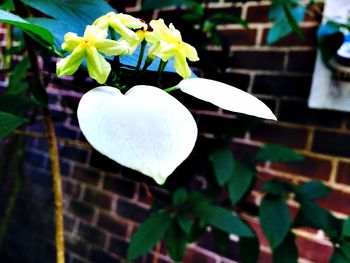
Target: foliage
<point x="190" y="212"/>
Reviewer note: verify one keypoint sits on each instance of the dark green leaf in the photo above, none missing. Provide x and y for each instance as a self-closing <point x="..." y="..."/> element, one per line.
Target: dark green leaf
<point x="16" y="104"/>
<point x="180" y="197"/>
<point x="275" y="219"/>
<point x="222" y="160"/>
<point x="185" y="222"/>
<point x="277" y="187"/>
<point x="287" y="251"/>
<point x="222" y="239"/>
<point x="313" y="190"/>
<point x="7" y="5"/>
<point x="277" y="153"/>
<point x="341" y="254"/>
<point x="17" y="81"/>
<point x="249" y="249"/>
<point x="148" y="234"/>
<point x="176" y="241"/>
<point x="9" y="122"/>
<point x="158" y="4"/>
<point x="292" y="16"/>
<point x="30" y="28"/>
<point x="239" y="182"/>
<point x="222" y="219"/>
<point x="346" y="228"/>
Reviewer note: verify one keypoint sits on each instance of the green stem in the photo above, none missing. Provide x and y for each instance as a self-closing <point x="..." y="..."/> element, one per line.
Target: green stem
<point x="142" y="52"/>
<point x="116" y="62"/>
<point x="162" y="66"/>
<point x="171" y="89"/>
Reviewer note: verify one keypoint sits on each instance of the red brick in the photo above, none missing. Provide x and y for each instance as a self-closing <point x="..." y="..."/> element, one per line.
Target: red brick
<point x="311" y="167"/>
<point x="195" y="256"/>
<point x="115" y="226"/>
<point x="239" y="37"/>
<point x="258" y="14"/>
<point x="271" y="60"/>
<point x="337" y="201"/>
<point x="86" y="175"/>
<point x="70" y="188"/>
<point x="98" y="198"/>
<point x="343" y="173"/>
<point x="272" y="133"/>
<point x="81" y="210"/>
<point x="313" y="251"/>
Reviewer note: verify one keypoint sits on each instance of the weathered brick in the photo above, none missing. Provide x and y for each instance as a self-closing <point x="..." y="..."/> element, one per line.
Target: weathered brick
<point x="131" y="211"/>
<point x="313" y="250"/>
<point x="76" y="245"/>
<point x="81" y="210"/>
<point x="295" y="58"/>
<point x="118" y="246"/>
<point x="310" y="167"/>
<point x="91" y="234"/>
<point x="119" y="186"/>
<point x="282" y="85"/>
<point x="298" y="112"/>
<point x="337" y="201"/>
<point x="272" y="133"/>
<point x="115" y="226"/>
<point x="86" y="175"/>
<point x="239" y="37"/>
<point x="195" y="256"/>
<point x="331" y="143"/>
<point x="70" y="188"/>
<point x="98" y="198"/>
<point x="343" y="173"/>
<point x="100" y="256"/>
<point x="266" y="60"/>
<point x="258" y="14"/>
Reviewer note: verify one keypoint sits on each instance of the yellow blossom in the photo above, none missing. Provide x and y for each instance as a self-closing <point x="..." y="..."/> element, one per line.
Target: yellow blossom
<point x="122" y="24"/>
<point x="166" y="42"/>
<point x="89" y="46"/>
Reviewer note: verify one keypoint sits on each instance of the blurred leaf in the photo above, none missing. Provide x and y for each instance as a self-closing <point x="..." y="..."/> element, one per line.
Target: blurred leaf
<point x="285" y="23"/>
<point x="158" y="4"/>
<point x="18" y="82"/>
<point x="7" y="5"/>
<point x="341" y="254"/>
<point x="313" y="190"/>
<point x="8" y="123"/>
<point x="249" y="249"/>
<point x="240" y="182"/>
<point x="228" y="18"/>
<point x="346" y="228"/>
<point x="287" y="251"/>
<point x="185" y="222"/>
<point x="176" y="241"/>
<point x="277" y="187"/>
<point x="275" y="219"/>
<point x="222" y="219"/>
<point x="26" y="26"/>
<point x="16" y="104"/>
<point x="179" y="197"/>
<point x="222" y="161"/>
<point x="277" y="153"/>
<point x="148" y="234"/>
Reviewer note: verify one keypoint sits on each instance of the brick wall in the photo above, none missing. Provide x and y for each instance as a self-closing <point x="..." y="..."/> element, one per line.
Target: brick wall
<point x="104" y="202"/>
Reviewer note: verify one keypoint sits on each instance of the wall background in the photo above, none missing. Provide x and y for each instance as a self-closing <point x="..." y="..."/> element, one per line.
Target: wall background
<point x="104" y="203"/>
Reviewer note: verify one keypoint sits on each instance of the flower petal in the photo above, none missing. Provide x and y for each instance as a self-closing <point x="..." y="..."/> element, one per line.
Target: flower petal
<point x="70" y="64"/>
<point x="146" y="129"/>
<point x="181" y="66"/>
<point x="94" y="33"/>
<point x="226" y="97"/>
<point x="113" y="48"/>
<point x="165" y="51"/>
<point x="98" y="67"/>
<point x="71" y="41"/>
<point x="190" y="52"/>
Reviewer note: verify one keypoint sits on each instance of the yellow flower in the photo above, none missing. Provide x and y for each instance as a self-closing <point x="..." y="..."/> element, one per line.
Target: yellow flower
<point x="166" y="42"/>
<point x="122" y="24"/>
<point x="89" y="46"/>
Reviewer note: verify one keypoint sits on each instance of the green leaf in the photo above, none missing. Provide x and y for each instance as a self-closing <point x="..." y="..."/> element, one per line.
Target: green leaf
<point x="185" y="222"/>
<point x="176" y="241"/>
<point x="222" y="219"/>
<point x="148" y="234"/>
<point x="158" y="4"/>
<point x="275" y="219"/>
<point x="249" y="249"/>
<point x="17" y="80"/>
<point x="179" y="197"/>
<point x="341" y="254"/>
<point x="282" y="26"/>
<point x="16" y="104"/>
<point x="222" y="161"/>
<point x="277" y="187"/>
<point x="277" y="153"/>
<point x="313" y="190"/>
<point x="239" y="182"/>
<point x="293" y="16"/>
<point x="287" y="251"/>
<point x="346" y="228"/>
<point x="30" y="28"/>
<point x="8" y="123"/>
<point x="7" y="5"/>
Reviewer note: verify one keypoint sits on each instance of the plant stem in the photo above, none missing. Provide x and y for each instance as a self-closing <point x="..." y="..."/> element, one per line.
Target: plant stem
<point x="171" y="89"/>
<point x="142" y="52"/>
<point x="116" y="62"/>
<point x="53" y="152"/>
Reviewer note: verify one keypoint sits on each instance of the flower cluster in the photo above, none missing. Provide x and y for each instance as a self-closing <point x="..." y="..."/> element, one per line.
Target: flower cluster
<point x="164" y="42"/>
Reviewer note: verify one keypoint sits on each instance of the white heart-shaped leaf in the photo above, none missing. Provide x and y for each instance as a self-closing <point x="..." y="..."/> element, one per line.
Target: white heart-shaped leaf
<point x="146" y="129"/>
<point x="226" y="97"/>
